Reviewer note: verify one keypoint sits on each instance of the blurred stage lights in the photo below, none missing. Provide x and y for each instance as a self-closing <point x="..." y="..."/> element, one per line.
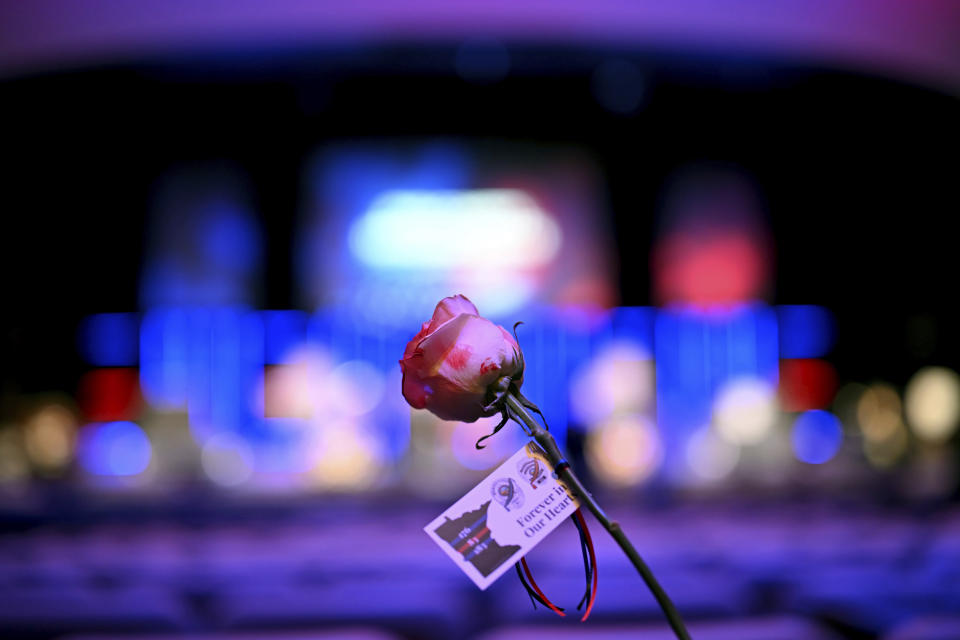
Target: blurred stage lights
<point x="618" y="381"/>
<point x="745" y="410"/>
<point x="880" y="417"/>
<point x="114" y="449"/>
<point x="109" y="394"/>
<point x="49" y="437"/>
<point x="710" y="267"/>
<point x="806" y="383"/>
<point x="932" y="403"/>
<point x="816" y="436"/>
<point x="304" y="392"/>
<point x="14" y="465"/>
<point x="487" y="229"/>
<point x="310" y="386"/>
<point x="805" y="331"/>
<point x="168" y="338"/>
<point x="286" y="392"/>
<point x="879" y="412"/>
<point x="284" y="332"/>
<point x="348" y="458"/>
<point x="886" y="451"/>
<point x="293" y="388"/>
<point x="110" y="339"/>
<point x="227" y="460"/>
<point x="353" y="388"/>
<point x="709" y="456"/>
<point x="845" y="402"/>
<point x="624" y="452"/>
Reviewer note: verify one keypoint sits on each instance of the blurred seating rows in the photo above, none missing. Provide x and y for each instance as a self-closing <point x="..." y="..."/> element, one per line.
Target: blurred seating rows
<point x="783" y="571"/>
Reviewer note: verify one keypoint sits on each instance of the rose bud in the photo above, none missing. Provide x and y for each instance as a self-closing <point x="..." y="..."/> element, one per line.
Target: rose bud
<point x="454" y="365"/>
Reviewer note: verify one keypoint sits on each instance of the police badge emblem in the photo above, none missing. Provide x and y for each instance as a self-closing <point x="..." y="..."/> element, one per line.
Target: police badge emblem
<point x="507" y="492"/>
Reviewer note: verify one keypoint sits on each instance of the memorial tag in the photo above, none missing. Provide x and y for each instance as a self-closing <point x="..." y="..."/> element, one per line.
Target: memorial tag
<point x="505" y="516"/>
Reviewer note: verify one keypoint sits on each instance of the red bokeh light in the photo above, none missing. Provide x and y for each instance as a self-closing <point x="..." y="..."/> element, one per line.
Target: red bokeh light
<point x="109" y="394"/>
<point x="709" y="268"/>
<point x="806" y="383"/>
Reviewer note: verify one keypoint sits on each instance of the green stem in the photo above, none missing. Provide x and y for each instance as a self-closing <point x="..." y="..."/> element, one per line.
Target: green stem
<point x="573" y="483"/>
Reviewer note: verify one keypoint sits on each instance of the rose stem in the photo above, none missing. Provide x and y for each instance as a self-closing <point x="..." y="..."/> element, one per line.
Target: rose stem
<point x="569" y="478"/>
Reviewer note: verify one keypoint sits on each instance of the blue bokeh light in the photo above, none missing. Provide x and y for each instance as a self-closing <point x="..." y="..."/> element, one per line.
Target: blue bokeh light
<point x="817" y="436"/>
<point x="114" y="449"/>
<point x="284" y="331"/>
<point x="110" y="339"/>
<point x="806" y="331"/>
<point x="634" y="324"/>
<point x="165" y="357"/>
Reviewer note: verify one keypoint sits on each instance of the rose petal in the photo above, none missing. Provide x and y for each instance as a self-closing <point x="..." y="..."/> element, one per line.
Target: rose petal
<point x="448" y="401"/>
<point x="414" y="390"/>
<point x="412" y="345"/>
<point x="471" y="353"/>
<point x="450" y="308"/>
<point x="437" y="344"/>
<point x="515" y="360"/>
<point x="509" y="338"/>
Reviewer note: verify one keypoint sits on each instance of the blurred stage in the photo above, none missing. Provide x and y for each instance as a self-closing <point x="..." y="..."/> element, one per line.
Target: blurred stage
<point x="727" y="240"/>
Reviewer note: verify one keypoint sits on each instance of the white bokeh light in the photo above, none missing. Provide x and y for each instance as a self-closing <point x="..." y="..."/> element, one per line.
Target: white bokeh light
<point x="352" y="389"/>
<point x="745" y="410"/>
<point x="624" y="451"/>
<point x="487" y="228"/>
<point x="227" y="460"/>
<point x="618" y="381"/>
<point x="348" y="457"/>
<point x="932" y="403"/>
<point x="709" y="456"/>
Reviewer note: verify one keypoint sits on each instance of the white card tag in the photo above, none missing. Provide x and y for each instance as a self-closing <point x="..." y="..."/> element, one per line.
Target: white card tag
<point x="505" y="516"/>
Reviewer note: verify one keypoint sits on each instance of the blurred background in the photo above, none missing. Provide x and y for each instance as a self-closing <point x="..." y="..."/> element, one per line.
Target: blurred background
<point x="724" y="225"/>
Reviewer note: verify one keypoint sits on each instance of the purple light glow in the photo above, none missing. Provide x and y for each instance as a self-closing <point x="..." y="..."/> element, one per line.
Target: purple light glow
<point x="909" y="40"/>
